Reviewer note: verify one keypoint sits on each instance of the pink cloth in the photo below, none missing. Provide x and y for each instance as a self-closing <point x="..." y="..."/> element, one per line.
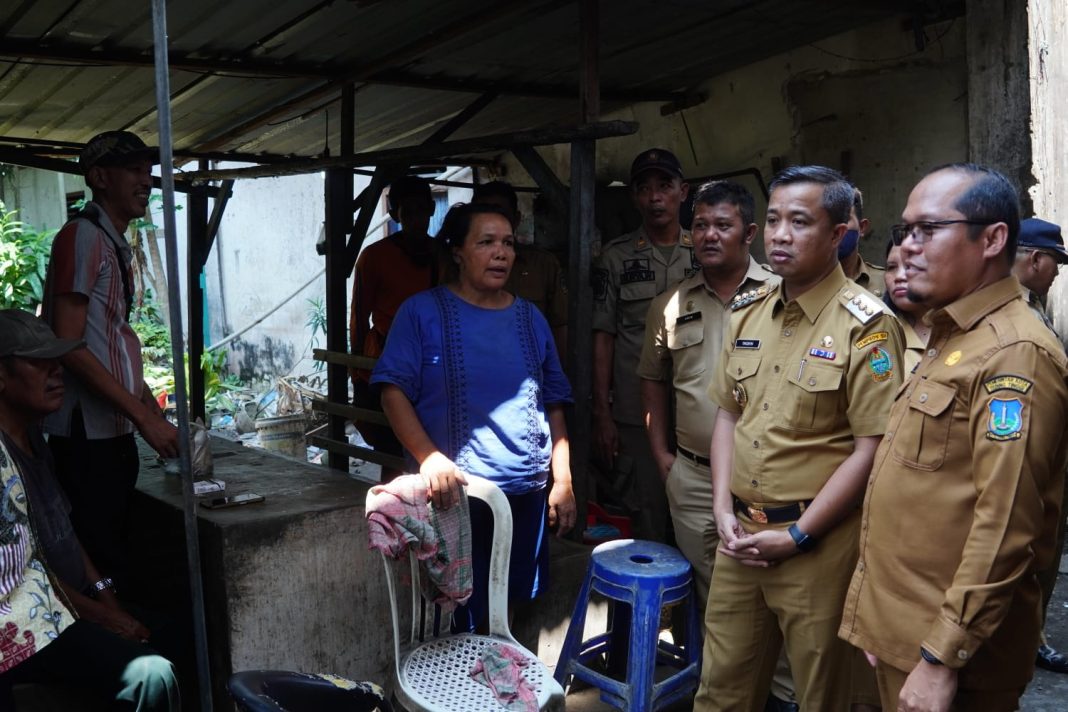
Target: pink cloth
<point x="500" y="668"/>
<point x="400" y="517"/>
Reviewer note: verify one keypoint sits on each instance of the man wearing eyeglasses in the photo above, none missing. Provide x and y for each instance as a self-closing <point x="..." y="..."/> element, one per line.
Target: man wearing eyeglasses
<point x="1038" y="259"/>
<point x="964" y="496"/>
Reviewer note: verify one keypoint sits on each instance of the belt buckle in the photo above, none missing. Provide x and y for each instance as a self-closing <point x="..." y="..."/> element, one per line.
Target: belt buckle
<point x="757" y="515"/>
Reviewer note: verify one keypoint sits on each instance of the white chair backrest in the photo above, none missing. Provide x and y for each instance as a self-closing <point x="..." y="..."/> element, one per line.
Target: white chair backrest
<point x="483" y="489"/>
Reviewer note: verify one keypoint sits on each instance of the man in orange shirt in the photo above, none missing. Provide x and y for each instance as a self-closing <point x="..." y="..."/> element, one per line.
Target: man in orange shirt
<point x="387" y="273"/>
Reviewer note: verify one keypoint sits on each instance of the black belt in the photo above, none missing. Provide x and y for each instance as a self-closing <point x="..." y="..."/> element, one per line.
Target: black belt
<point x="772" y="515"/>
<point x="694" y="457"/>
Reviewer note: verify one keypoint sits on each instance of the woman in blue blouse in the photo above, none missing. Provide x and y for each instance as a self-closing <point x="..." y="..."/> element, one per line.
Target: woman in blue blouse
<point x="471" y="383"/>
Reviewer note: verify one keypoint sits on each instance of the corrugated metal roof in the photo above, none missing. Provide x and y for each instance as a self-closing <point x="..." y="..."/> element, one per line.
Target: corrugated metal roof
<point x="255" y="77"/>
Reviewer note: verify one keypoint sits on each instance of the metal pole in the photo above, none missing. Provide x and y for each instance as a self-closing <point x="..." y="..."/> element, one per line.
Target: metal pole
<point x="192" y="542"/>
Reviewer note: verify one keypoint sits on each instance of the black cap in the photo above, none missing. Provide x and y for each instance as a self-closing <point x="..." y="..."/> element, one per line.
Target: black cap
<point x="1038" y="234"/>
<point x="655" y="159"/>
<point x="115" y="148"/>
<point x="23" y="334"/>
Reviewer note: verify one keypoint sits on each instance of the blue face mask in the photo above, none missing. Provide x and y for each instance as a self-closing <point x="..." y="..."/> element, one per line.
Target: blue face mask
<point x="848" y="243"/>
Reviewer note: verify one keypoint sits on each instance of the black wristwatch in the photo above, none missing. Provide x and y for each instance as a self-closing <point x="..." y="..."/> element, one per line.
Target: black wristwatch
<point x="804" y="542"/>
<point x="929" y="657"/>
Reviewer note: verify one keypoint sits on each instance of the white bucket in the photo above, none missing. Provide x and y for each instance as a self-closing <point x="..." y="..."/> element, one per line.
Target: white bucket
<point x="284" y="434"/>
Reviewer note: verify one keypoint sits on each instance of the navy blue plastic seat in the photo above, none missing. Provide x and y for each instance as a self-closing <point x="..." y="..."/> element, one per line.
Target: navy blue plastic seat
<point x="640" y="578"/>
<point x="287" y="691"/>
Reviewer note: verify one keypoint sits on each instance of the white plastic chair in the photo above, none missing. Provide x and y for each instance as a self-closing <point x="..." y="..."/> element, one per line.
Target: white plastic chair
<point x="433" y="675"/>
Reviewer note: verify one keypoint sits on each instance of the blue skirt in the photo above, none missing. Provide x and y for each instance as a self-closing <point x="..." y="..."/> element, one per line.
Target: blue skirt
<point x="528" y="573"/>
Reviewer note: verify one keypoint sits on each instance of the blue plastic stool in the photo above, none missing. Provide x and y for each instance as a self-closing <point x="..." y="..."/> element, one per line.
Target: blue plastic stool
<point x="640" y="577"/>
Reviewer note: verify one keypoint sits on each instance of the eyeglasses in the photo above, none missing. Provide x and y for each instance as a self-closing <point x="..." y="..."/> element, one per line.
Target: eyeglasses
<point x="923" y="231"/>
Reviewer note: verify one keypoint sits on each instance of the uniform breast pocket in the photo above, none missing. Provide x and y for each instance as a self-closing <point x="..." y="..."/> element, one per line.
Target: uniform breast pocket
<point x="634" y="302"/>
<point x="684" y="341"/>
<point x="922" y="435"/>
<point x="742" y="368"/>
<point x="814" y="398"/>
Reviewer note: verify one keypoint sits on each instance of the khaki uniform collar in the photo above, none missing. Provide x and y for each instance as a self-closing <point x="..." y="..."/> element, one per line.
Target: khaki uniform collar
<point x="968" y="311"/>
<point x="753" y="273"/>
<point x="815" y="300"/>
<point x="643" y="242"/>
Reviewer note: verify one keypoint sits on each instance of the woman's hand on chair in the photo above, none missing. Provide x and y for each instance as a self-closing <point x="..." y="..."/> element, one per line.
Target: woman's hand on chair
<point x="561" y="508"/>
<point x="444" y="480"/>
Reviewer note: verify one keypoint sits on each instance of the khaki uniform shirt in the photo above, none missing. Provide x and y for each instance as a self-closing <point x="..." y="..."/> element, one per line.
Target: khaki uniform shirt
<point x="871" y="278"/>
<point x="536" y="276"/>
<point x="629" y="273"/>
<point x="806" y="377"/>
<point x="962" y="505"/>
<point x="1036" y="307"/>
<point x="914" y="347"/>
<point x="683" y="342"/>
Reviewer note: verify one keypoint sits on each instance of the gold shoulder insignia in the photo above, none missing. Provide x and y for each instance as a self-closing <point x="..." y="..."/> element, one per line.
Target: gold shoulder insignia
<point x="686" y="239"/>
<point x="860" y="304"/>
<point x="744" y="299"/>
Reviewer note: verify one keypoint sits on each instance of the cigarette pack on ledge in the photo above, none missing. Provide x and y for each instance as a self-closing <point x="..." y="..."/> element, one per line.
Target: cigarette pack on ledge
<point x="202" y="487"/>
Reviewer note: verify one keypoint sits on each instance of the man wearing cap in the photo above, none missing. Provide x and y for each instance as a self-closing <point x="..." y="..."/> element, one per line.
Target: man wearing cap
<point x="631" y="270"/>
<point x="386" y="274"/>
<point x="88" y="296"/>
<point x="809" y="371"/>
<point x="962" y="505"/>
<point x="1039" y="255"/>
<point x="103" y="652"/>
<point x="683" y="341"/>
<point x="854" y="265"/>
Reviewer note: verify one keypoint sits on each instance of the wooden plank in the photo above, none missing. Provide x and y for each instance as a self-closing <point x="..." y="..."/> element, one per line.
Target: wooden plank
<point x="345" y="359"/>
<point x="226" y="190"/>
<point x="469" y="112"/>
<point x="551" y="186"/>
<point x="428" y="152"/>
<point x="351" y="412"/>
<point x="344" y="449"/>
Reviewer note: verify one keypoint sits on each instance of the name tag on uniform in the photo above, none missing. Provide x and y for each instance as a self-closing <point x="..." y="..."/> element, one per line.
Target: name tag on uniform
<point x="822" y="353"/>
<point x="747" y="343"/>
<point x="696" y="316"/>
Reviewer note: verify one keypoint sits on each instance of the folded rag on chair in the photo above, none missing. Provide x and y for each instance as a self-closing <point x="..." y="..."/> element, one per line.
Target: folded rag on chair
<point x="400" y="517"/>
<point x="500" y="668"/>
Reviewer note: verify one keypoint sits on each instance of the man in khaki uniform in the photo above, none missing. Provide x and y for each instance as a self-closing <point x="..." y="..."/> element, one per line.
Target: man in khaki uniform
<point x="536" y="275"/>
<point x="803" y="389"/>
<point x="856" y="267"/>
<point x="683" y="341"/>
<point x="963" y="502"/>
<point x="631" y="270"/>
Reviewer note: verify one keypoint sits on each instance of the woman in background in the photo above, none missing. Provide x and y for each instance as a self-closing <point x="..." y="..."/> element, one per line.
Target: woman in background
<point x="909" y="313"/>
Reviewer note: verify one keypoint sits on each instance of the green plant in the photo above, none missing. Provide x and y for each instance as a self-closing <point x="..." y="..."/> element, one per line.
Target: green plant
<point x="24" y="254"/>
<point x="316" y="322"/>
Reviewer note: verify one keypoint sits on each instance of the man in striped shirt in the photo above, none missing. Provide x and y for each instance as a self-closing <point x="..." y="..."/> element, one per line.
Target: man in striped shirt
<point x="88" y="296"/>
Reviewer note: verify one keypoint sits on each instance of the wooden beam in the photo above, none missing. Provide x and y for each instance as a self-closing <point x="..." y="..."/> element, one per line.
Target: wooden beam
<point x="344" y="451"/>
<point x="196" y="214"/>
<point x="425" y="152"/>
<point x="338" y="191"/>
<point x="345" y="359"/>
<point x="450" y="127"/>
<point x="16" y="157"/>
<point x="350" y="412"/>
<point x="221" y="200"/>
<point x="551" y="186"/>
<point x="589" y="65"/>
<point x="580" y="314"/>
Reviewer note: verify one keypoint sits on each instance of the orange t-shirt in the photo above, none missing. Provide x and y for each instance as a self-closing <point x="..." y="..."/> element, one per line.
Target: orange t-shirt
<point x="386" y="275"/>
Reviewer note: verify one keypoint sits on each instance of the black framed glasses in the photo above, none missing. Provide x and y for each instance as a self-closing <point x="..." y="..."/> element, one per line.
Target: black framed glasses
<point x="924" y="230"/>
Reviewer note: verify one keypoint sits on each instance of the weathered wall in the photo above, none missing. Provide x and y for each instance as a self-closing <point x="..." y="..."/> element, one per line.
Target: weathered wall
<point x="40" y="196"/>
<point x="866" y="101"/>
<point x="1048" y="63"/>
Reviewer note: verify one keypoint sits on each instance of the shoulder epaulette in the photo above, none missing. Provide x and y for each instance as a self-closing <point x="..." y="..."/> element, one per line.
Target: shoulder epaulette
<point x="753" y="295"/>
<point x="860" y="304"/>
<point x="686" y="239"/>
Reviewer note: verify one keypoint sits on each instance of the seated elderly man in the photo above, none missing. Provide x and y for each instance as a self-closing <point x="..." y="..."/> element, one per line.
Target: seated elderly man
<point x="76" y="634"/>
